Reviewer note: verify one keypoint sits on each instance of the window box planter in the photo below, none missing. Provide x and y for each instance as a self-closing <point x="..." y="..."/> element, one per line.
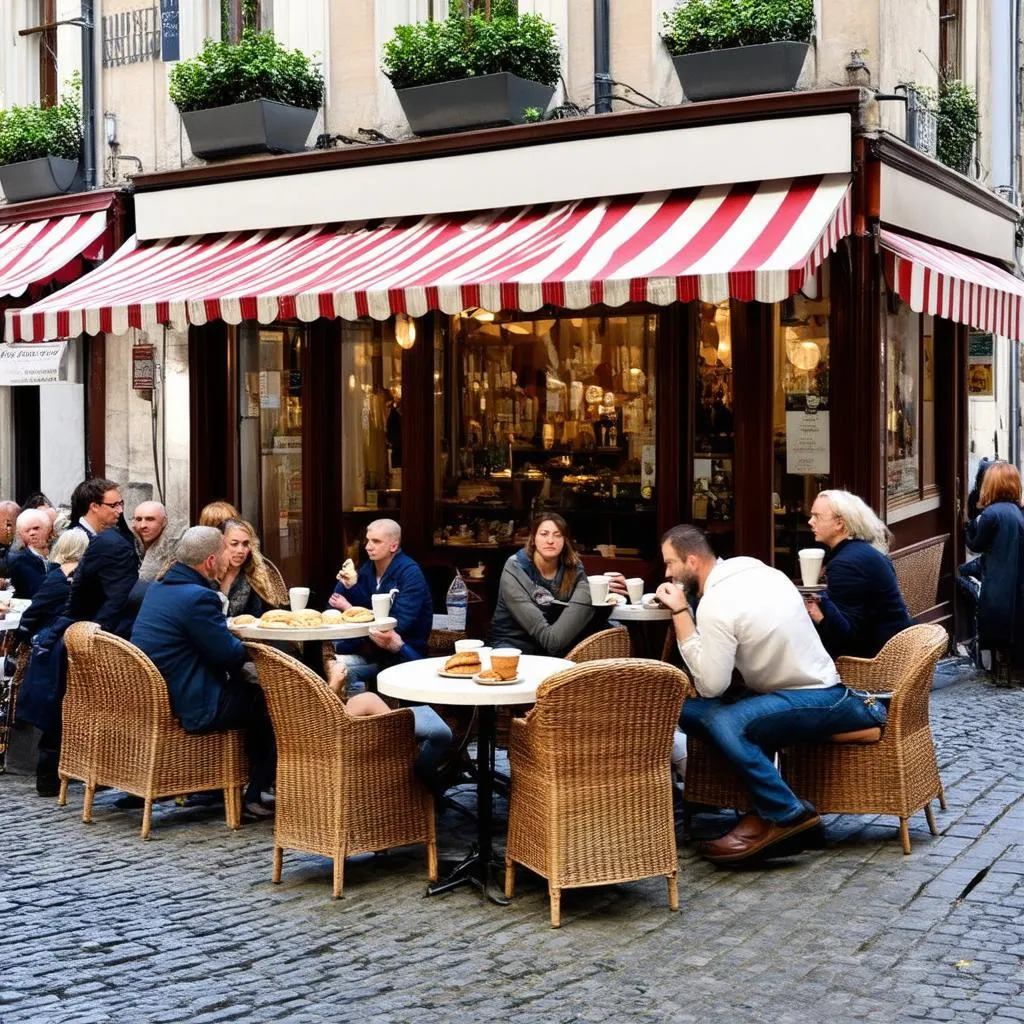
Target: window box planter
<point x="258" y="126"/>
<point x="741" y="70"/>
<point x="483" y="101"/>
<point x="37" y="179"/>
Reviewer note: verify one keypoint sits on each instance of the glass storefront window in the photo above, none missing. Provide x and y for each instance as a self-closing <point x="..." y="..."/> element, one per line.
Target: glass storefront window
<point x="902" y="401"/>
<point x="550" y="414"/>
<point x="801" y="418"/>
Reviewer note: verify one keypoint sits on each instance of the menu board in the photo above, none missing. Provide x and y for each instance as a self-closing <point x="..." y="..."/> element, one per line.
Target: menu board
<point x="170" y="31"/>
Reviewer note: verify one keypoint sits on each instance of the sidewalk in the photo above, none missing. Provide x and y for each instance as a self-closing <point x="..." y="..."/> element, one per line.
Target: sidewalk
<point x="99" y="926"/>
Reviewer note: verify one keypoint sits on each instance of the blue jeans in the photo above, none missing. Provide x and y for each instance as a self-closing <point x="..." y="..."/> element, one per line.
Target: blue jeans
<point x="750" y="731"/>
<point x="435" y="739"/>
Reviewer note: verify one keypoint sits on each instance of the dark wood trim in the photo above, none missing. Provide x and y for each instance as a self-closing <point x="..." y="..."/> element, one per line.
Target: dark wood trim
<point x="674" y="426"/>
<point x="96" y="406"/>
<point x="418" y="440"/>
<point x="897" y="154"/>
<point x="748" y="108"/>
<point x="213" y="415"/>
<point x="62" y="206"/>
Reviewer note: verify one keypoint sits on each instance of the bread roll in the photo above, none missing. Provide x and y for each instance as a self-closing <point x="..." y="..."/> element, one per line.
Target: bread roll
<point x="357" y="615"/>
<point x="242" y="620"/>
<point x="347" y="575"/>
<point x="331" y="617"/>
<point x="307" y="617"/>
<point x="276" y="617"/>
<point x="465" y="663"/>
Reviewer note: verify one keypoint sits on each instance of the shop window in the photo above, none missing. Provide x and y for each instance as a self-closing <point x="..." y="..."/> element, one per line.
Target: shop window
<point x="909" y="410"/>
<point x="270" y="440"/>
<point x="801" y="418"/>
<point x="371" y="423"/>
<point x="550" y="414"/>
<point x="713" y="428"/>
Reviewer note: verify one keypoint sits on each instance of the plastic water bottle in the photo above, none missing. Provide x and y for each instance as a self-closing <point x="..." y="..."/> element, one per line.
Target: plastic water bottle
<point x="457" y="602"/>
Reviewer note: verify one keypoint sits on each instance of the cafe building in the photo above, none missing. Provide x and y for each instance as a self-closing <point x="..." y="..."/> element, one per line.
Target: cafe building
<point x="702" y="313"/>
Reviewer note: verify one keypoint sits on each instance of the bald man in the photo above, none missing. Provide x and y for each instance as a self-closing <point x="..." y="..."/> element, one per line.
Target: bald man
<point x="27" y="565"/>
<point x="8" y="515"/>
<point x="152" y="545"/>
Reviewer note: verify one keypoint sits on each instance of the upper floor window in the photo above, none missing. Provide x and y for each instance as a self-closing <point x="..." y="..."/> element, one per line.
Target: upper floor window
<point x="238" y="15"/>
<point x="950" y="25"/>
<point x="42" y="28"/>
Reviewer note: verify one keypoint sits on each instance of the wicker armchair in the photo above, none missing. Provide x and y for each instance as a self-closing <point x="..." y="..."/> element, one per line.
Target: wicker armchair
<point x="609" y="643"/>
<point x="891" y="773"/>
<point x="344" y="785"/>
<point x="118" y="731"/>
<point x="917" y="568"/>
<point x="591" y="800"/>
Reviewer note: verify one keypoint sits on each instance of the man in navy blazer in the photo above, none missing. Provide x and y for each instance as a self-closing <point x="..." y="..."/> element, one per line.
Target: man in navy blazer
<point x="210" y="682"/>
<point x="109" y="569"/>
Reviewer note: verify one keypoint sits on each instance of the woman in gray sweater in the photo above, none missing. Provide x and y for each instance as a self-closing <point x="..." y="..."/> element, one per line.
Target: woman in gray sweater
<point x="543" y="598"/>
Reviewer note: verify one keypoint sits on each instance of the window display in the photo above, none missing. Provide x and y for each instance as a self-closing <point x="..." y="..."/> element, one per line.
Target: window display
<point x="550" y="414"/>
<point x="902" y="383"/>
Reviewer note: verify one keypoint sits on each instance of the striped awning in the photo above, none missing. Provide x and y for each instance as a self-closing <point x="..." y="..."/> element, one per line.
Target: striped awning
<point x="930" y="278"/>
<point x="36" y="251"/>
<point x="760" y="241"/>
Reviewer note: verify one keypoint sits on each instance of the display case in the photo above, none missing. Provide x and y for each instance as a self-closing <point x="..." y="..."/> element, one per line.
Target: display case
<point x="550" y="414"/>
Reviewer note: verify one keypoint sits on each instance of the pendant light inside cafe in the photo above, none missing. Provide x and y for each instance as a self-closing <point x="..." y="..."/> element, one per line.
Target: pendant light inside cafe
<point x="405" y="331"/>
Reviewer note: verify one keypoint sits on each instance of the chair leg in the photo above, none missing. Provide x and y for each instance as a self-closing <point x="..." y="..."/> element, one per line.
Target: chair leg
<point x="232" y="807"/>
<point x="339" y="876"/>
<point x="931" y="819"/>
<point x="555" y="895"/>
<point x="432" y="860"/>
<point x="275" y="875"/>
<point x="905" y="834"/>
<point x="673" y="891"/>
<point x="90" y="792"/>
<point x="510" y="878"/>
<point x="942" y="797"/>
<point x="62" y="797"/>
<point x="147" y="816"/>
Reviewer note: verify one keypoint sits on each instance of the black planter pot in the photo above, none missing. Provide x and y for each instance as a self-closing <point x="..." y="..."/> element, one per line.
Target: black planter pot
<point x="259" y="126"/>
<point x="483" y="101"/>
<point x="38" y="179"/>
<point x="741" y="71"/>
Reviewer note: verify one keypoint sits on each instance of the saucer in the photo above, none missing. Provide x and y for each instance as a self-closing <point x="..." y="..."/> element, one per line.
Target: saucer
<point x="818" y="588"/>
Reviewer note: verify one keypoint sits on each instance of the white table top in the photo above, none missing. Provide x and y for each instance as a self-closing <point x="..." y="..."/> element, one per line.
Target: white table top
<point x="419" y="681"/>
<point x="342" y="631"/>
<point x="637" y="613"/>
<point x="11" y="621"/>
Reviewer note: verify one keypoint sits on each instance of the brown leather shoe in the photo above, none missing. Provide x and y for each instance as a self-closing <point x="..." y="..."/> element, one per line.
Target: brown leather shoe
<point x="753" y="836"/>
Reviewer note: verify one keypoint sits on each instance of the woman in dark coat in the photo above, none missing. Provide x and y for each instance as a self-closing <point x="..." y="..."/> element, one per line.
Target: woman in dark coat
<point x="997" y="534"/>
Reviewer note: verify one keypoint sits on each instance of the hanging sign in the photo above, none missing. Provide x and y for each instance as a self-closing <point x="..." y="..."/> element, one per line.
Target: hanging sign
<point x="170" y="31"/>
<point x="143" y="367"/>
<point x="33" y="363"/>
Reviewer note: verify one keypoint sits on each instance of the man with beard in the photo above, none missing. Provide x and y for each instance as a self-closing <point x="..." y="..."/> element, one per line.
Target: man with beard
<point x="751" y="620"/>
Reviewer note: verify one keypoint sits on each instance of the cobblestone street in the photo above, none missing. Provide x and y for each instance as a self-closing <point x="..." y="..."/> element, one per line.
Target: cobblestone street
<point x="99" y="926"/>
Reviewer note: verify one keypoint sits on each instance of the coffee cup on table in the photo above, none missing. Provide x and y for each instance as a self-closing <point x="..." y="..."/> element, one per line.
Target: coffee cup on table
<point x="298" y="598"/>
<point x="381" y="604"/>
<point x="810" y="565"/>
<point x="598" y="588"/>
<point x="635" y="589"/>
<point x="468" y="645"/>
<point x="505" y="661"/>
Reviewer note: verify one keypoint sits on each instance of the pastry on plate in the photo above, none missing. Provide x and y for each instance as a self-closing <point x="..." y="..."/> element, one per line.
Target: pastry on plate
<point x="491" y="676"/>
<point x="357" y="615"/>
<point x="347" y="574"/>
<point x="242" y="620"/>
<point x="307" y="618"/>
<point x="276" y="617"/>
<point x="331" y="617"/>
<point x="465" y="663"/>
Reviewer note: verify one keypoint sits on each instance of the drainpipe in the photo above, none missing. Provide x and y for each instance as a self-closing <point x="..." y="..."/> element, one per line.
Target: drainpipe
<point x="602" y="58"/>
<point x="88" y="95"/>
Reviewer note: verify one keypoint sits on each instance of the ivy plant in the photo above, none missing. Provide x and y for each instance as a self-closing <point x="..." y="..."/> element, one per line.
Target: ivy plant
<point x="956" y="121"/>
<point x="694" y="26"/>
<point x="28" y="133"/>
<point x="465" y="45"/>
<point x="257" y="68"/>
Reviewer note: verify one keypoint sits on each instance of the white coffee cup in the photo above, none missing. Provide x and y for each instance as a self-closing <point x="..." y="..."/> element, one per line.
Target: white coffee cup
<point x="810" y="565"/>
<point x="635" y="589"/>
<point x="381" y="604"/>
<point x="298" y="598"/>
<point x="468" y="645"/>
<point x="598" y="588"/>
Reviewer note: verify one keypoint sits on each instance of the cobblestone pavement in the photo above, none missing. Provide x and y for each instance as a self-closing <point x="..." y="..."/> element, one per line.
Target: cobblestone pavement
<point x="99" y="926"/>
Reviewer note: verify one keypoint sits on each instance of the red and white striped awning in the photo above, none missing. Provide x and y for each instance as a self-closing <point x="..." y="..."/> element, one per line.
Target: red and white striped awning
<point x="930" y="278"/>
<point x="752" y="241"/>
<point x="36" y="251"/>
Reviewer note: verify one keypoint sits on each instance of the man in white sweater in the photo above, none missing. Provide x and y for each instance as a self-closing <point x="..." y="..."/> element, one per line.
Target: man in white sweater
<point x="751" y="620"/>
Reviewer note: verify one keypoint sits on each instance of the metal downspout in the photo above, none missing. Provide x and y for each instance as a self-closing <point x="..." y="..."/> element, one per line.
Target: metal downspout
<point x="602" y="58"/>
<point x="88" y="95"/>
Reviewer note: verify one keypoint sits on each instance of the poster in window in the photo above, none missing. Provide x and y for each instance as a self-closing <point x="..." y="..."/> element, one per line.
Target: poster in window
<point x="980" y="370"/>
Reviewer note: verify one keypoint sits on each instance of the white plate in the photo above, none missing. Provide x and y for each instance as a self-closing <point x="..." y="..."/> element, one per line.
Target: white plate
<point x="498" y="682"/>
<point x="454" y="675"/>
<point x="620" y="599"/>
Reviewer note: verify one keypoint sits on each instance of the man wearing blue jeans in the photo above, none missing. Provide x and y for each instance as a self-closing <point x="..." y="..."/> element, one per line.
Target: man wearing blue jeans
<point x="751" y="620"/>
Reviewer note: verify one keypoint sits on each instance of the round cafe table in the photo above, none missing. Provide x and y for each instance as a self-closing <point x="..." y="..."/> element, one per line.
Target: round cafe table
<point x="418" y="681"/>
<point x="339" y="631"/>
<point x="641" y="623"/>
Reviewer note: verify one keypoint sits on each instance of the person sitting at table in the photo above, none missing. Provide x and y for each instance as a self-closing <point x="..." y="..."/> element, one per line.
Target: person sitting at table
<point x="245" y="582"/>
<point x="863" y="607"/>
<point x="217" y="513"/>
<point x="28" y="559"/>
<point x="544" y="604"/>
<point x="52" y="595"/>
<point x="210" y="681"/>
<point x="751" y="620"/>
<point x="388" y="569"/>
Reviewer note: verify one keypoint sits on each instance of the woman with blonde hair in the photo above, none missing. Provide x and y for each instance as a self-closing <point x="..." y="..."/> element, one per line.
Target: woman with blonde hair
<point x="862" y="607"/>
<point x="217" y="513"/>
<point x="247" y="583"/>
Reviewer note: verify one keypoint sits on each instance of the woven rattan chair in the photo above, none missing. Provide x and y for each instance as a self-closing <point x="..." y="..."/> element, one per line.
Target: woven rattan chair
<point x="888" y="771"/>
<point x="344" y="785"/>
<point x="442" y="641"/>
<point x="591" y="800"/>
<point x="609" y="643"/>
<point x="118" y="731"/>
<point x="917" y="572"/>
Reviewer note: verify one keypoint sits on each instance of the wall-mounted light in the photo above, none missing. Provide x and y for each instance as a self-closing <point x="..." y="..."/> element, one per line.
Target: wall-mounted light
<point x="110" y="128"/>
<point x="405" y="331"/>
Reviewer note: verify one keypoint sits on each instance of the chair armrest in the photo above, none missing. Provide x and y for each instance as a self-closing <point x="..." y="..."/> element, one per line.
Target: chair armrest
<point x="395" y="730"/>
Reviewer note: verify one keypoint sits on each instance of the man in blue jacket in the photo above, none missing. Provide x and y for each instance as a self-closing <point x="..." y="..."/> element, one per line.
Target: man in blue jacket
<point x="210" y="682"/>
<point x="388" y="569"/>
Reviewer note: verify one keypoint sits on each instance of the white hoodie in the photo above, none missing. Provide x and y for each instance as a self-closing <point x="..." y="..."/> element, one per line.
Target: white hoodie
<point x="752" y="618"/>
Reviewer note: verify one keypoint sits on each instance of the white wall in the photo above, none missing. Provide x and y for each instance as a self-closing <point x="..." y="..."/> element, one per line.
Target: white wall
<point x="61" y="440"/>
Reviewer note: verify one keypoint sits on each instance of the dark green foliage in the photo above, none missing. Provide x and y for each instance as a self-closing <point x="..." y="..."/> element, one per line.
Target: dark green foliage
<point x="250" y="17"/>
<point x="694" y="26"/>
<point x="462" y="46"/>
<point x="957" y="117"/>
<point x="257" y="68"/>
<point x="27" y="133"/>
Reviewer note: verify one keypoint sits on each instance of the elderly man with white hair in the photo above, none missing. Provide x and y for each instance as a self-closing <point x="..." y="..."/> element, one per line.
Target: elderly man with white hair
<point x="152" y="544"/>
<point x="8" y="516"/>
<point x="29" y="559"/>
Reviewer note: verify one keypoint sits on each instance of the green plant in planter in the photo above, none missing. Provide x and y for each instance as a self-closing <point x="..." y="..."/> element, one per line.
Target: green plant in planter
<point x="28" y="133"/>
<point x="956" y="121"/>
<point x="463" y="46"/>
<point x="695" y="26"/>
<point x="256" y="68"/>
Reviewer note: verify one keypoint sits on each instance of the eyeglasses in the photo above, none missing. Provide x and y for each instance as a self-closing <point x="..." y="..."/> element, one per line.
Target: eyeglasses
<point x="112" y="504"/>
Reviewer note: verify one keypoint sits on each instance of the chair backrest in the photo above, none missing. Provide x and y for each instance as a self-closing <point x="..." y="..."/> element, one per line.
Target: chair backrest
<point x="917" y="573"/>
<point x="616" y="713"/>
<point x="609" y="643"/>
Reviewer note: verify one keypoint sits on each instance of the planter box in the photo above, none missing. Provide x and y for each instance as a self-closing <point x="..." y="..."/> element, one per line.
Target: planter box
<point x="259" y="126"/>
<point x="741" y="71"/>
<point x="37" y="179"/>
<point x="484" y="101"/>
